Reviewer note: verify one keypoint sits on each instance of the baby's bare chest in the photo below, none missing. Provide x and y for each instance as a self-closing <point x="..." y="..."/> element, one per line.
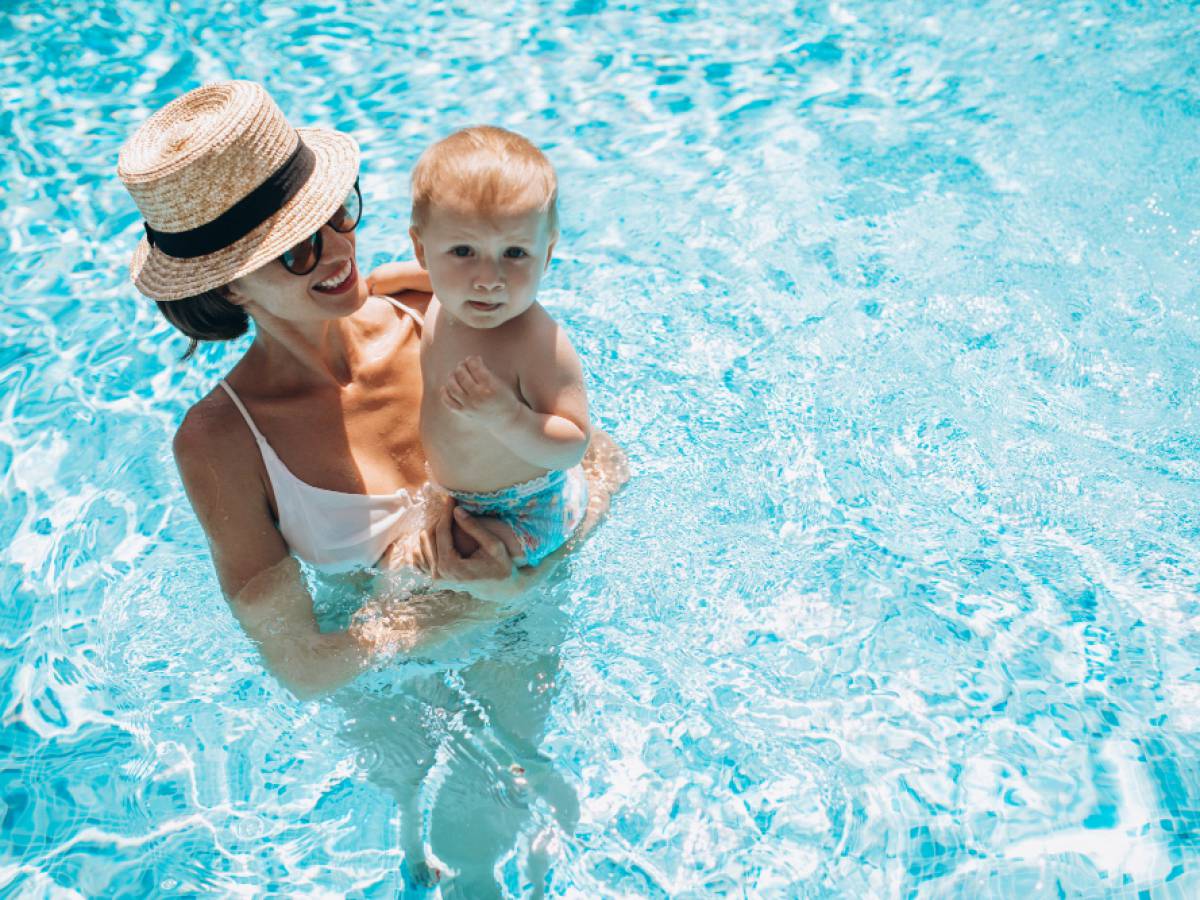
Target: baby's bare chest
<point x="462" y="451"/>
<point x="443" y="350"/>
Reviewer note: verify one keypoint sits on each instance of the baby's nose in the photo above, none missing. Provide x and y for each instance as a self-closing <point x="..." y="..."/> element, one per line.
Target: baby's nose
<point x="488" y="281"/>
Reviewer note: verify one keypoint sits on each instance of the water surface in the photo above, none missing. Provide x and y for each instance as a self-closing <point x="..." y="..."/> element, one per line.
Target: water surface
<point x="894" y="306"/>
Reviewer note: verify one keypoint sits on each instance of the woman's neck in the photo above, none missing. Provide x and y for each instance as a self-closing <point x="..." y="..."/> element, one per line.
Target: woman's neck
<point x="311" y="354"/>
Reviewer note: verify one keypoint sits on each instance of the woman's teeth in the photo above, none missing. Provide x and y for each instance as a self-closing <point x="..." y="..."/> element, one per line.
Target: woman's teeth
<point x="341" y="275"/>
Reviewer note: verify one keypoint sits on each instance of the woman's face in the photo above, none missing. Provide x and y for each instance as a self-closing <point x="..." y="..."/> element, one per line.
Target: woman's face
<point x="332" y="290"/>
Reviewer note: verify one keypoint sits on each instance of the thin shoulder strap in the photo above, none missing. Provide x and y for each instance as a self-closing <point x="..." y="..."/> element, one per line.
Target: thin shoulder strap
<point x="237" y="401"/>
<point x="420" y="319"/>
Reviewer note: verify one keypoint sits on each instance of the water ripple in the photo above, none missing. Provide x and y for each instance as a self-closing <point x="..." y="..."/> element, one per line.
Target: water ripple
<point x="893" y="306"/>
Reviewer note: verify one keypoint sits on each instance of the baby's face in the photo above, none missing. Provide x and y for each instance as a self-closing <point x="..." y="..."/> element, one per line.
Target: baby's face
<point x="484" y="270"/>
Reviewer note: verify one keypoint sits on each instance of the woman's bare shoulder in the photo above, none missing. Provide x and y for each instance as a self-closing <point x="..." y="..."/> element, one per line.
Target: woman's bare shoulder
<point x="227" y="487"/>
<point x="213" y="433"/>
<point x="414" y="300"/>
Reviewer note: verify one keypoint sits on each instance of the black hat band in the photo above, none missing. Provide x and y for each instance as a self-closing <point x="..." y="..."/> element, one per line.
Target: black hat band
<point x="244" y="216"/>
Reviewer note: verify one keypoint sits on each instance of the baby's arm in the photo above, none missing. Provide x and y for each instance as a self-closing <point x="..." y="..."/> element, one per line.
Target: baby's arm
<point x="552" y="431"/>
<point x="394" y="277"/>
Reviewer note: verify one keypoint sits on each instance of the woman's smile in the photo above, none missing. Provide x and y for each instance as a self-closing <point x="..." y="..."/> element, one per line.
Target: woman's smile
<point x="341" y="280"/>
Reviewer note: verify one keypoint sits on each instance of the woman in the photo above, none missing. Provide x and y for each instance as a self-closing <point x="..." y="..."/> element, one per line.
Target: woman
<point x="309" y="448"/>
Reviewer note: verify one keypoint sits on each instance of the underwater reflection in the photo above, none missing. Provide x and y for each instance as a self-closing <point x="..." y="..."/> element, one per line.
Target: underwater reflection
<point x="455" y="740"/>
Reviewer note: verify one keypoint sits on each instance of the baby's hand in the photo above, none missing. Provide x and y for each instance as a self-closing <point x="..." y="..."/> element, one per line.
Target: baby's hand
<point x="473" y="391"/>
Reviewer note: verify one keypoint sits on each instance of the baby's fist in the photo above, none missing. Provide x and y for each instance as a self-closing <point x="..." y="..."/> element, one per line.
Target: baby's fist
<point x="474" y="391"/>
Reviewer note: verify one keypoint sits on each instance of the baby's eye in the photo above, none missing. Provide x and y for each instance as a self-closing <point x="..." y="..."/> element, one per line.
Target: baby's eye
<point x="460" y="250"/>
<point x="515" y="253"/>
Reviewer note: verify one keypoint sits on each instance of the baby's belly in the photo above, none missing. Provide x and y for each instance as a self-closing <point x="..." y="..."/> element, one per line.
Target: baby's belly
<point x="467" y="459"/>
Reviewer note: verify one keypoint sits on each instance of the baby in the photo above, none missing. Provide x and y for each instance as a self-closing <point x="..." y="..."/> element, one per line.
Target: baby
<point x="504" y="417"/>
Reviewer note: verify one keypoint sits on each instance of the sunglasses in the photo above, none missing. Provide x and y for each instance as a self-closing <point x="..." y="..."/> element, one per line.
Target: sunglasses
<point x="302" y="258"/>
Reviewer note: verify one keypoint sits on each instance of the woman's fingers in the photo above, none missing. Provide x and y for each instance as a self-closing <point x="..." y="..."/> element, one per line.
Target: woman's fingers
<point x="490" y="544"/>
<point x="382" y="278"/>
<point x="429" y="554"/>
<point x="444" y="543"/>
<point x="403" y="552"/>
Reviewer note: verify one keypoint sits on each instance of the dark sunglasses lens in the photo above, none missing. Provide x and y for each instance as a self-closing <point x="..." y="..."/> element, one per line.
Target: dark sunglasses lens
<point x="304" y="256"/>
<point x="346" y="218"/>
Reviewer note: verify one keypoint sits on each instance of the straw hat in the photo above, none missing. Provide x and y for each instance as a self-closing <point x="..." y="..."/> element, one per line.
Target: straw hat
<point x="225" y="185"/>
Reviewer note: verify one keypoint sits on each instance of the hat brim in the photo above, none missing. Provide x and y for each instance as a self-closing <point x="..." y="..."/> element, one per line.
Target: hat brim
<point x="162" y="277"/>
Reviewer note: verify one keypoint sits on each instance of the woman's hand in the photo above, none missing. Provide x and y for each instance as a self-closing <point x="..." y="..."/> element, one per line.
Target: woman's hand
<point x="473" y="555"/>
<point x="471" y="559"/>
<point x="394" y="277"/>
<point x="441" y="560"/>
<point x="488" y="572"/>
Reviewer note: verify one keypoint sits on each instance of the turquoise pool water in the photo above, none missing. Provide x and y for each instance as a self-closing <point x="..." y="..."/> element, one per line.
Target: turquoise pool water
<point x="895" y="307"/>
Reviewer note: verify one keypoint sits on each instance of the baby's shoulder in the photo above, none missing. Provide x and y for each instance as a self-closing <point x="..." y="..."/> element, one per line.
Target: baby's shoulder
<point x="535" y="337"/>
<point x="545" y="346"/>
<point x="536" y="322"/>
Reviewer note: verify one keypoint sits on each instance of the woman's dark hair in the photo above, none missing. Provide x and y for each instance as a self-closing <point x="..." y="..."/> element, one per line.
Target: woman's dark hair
<point x="205" y="317"/>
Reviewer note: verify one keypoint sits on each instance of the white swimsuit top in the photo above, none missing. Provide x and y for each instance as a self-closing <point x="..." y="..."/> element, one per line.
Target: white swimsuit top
<point x="334" y="530"/>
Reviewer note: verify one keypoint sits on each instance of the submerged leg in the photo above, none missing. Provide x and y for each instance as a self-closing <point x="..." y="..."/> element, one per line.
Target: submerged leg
<point x="402" y="750"/>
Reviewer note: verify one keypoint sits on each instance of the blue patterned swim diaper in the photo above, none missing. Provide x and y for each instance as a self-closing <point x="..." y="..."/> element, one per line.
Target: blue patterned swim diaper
<point x="542" y="513"/>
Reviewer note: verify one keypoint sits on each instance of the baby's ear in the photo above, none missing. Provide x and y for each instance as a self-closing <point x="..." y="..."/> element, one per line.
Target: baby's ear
<point x="418" y="247"/>
<point x="550" y="252"/>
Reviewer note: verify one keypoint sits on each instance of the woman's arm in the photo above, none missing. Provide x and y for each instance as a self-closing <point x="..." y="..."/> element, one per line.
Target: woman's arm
<point x="217" y="459"/>
<point x="395" y="277"/>
<point x="276" y="611"/>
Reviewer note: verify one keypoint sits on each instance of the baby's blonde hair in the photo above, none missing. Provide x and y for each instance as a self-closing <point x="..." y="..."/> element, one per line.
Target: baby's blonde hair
<point x="487" y="169"/>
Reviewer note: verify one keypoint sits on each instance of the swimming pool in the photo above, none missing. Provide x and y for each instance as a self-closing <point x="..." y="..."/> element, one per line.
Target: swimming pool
<point x="894" y="306"/>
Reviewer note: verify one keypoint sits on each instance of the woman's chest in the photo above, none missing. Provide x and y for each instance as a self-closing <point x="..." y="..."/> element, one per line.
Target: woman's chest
<point x="364" y="439"/>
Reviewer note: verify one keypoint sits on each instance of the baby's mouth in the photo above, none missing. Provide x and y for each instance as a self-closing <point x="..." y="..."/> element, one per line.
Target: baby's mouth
<point x="483" y="307"/>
